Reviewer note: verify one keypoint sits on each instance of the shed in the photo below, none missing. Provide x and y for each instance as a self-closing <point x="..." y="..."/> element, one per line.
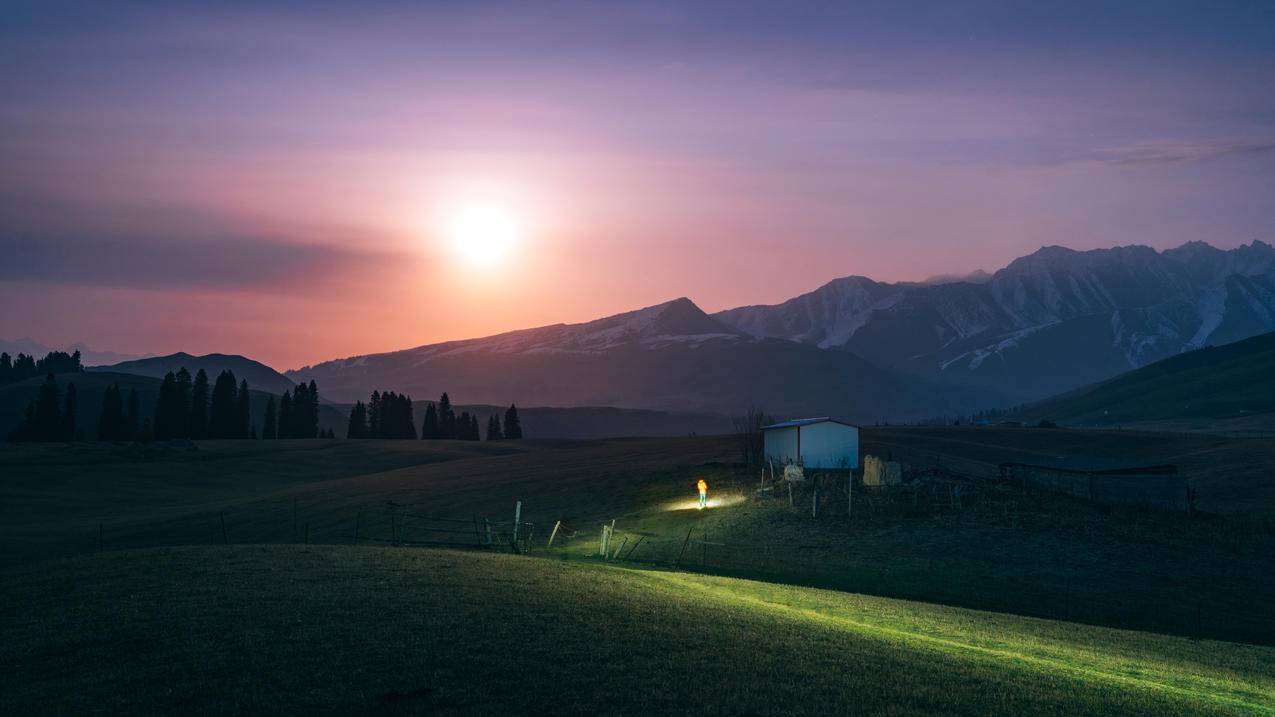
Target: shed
<point x="823" y="443"/>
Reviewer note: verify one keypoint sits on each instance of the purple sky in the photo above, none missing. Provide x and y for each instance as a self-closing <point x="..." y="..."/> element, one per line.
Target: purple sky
<point x="272" y="181"/>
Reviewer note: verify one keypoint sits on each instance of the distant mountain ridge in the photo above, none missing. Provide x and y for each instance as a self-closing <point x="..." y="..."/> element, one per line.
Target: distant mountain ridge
<point x="259" y="376"/>
<point x="670" y="356"/>
<point x="1045" y="323"/>
<point x="88" y="356"/>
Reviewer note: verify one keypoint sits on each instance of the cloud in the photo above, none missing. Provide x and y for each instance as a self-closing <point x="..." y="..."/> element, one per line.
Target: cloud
<point x="1152" y="153"/>
<point x="148" y="262"/>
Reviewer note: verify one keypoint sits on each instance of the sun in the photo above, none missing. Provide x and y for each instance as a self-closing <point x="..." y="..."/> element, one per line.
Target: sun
<point x="483" y="235"/>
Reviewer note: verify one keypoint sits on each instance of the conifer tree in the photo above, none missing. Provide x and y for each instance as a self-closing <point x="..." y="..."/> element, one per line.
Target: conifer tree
<point x="110" y="422"/>
<point x="513" y="426"/>
<point x="243" y="411"/>
<point x="181" y="404"/>
<point x="285" y="416"/>
<point x="223" y="410"/>
<point x="357" y="427"/>
<point x="165" y="408"/>
<point x="6" y="369"/>
<point x="311" y="426"/>
<point x="270" y="425"/>
<point x="446" y="418"/>
<point x="132" y="417"/>
<point x="493" y="428"/>
<point x="69" y="409"/>
<point x="429" y="427"/>
<point x="48" y="414"/>
<point x="199" y="406"/>
<point x="375" y="424"/>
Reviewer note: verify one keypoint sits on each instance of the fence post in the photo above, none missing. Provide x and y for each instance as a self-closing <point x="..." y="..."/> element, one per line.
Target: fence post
<point x="224" y="540"/>
<point x="814" y="501"/>
<point x="478" y="537"/>
<point x="789" y="494"/>
<point x="517" y="519"/>
<point x="554" y="534"/>
<point x="686" y="542"/>
<point x="616" y="554"/>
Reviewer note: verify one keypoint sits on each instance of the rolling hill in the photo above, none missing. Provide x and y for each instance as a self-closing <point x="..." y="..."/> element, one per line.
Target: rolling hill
<point x="271" y="629"/>
<point x="1230" y="387"/>
<point x="259" y="376"/>
<point x="91" y="385"/>
<point x="671" y="356"/>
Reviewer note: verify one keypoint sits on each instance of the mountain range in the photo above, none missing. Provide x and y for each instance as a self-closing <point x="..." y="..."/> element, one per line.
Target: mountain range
<point x="856" y="348"/>
<point x="1045" y="323"/>
<point x="671" y="356"/>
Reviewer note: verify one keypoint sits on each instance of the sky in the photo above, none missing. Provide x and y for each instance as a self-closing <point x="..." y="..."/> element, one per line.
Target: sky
<point x="284" y="180"/>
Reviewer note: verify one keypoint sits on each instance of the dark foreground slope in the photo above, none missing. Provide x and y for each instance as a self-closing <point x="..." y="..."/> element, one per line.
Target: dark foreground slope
<point x="350" y="630"/>
<point x="1221" y="387"/>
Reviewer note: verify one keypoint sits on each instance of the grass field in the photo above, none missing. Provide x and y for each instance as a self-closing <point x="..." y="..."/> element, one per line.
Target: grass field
<point x="1050" y="559"/>
<point x="359" y="629"/>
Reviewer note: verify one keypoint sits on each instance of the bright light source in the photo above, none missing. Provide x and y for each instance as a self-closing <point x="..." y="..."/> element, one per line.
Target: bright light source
<point x="482" y="234"/>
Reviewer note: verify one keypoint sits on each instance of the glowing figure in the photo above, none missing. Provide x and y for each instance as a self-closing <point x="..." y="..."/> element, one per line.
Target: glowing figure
<point x="703" y="493"/>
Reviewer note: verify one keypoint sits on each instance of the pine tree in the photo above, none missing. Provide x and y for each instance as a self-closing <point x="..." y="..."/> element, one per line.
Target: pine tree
<point x="446" y="418"/>
<point x="181" y="405"/>
<point x="513" y="426"/>
<point x="69" y="409"/>
<point x="48" y="414"/>
<point x="243" y="411"/>
<point x="357" y="427"/>
<point x="493" y="428"/>
<point x="132" y="417"/>
<point x="165" y="408"/>
<point x="110" y="422"/>
<point x="223" y="411"/>
<point x="429" y="427"/>
<point x="270" y="425"/>
<point x="311" y="426"/>
<point x="6" y="369"/>
<point x="199" y="406"/>
<point x="375" y="426"/>
<point x="285" y="416"/>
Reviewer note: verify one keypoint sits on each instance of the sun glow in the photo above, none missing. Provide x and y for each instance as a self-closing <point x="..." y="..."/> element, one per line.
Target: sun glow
<point x="483" y="235"/>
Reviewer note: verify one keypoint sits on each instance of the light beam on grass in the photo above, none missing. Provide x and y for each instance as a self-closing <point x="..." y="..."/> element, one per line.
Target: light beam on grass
<point x="693" y="503"/>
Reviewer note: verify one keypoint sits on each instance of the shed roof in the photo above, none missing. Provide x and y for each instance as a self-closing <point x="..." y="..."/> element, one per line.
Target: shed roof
<point x="796" y="422"/>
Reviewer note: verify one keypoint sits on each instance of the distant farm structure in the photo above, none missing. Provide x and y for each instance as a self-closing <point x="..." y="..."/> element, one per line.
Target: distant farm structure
<point x="1159" y="487"/>
<point x="821" y="443"/>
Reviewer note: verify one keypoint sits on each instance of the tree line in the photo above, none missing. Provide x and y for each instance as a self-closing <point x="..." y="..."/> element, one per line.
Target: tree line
<point x="23" y="367"/>
<point x="186" y="408"/>
<point x="390" y="415"/>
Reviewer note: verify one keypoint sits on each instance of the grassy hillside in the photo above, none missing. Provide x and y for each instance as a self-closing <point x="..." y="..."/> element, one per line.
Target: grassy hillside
<point x="346" y="629"/>
<point x="91" y="385"/>
<point x="1225" y="387"/>
<point x="1020" y="554"/>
